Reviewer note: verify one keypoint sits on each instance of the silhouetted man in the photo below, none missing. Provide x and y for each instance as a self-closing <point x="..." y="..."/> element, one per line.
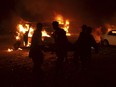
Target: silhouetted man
<point x="37" y="55"/>
<point x="83" y="46"/>
<point x="60" y="44"/>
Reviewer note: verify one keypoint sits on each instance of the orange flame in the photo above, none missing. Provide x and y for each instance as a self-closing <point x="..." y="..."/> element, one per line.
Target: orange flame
<point x="63" y="22"/>
<point x="10" y="50"/>
<point x="23" y="29"/>
<point x="44" y="34"/>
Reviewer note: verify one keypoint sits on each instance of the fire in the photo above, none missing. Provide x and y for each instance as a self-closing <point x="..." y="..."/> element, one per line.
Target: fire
<point x="63" y="22"/>
<point x="31" y="32"/>
<point x="44" y="34"/>
<point x="22" y="29"/>
<point x="26" y="30"/>
<point x="20" y="49"/>
<point x="59" y="18"/>
<point x="10" y="50"/>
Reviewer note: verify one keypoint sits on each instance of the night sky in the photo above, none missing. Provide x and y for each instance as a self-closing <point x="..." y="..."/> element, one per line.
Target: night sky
<point x="91" y="12"/>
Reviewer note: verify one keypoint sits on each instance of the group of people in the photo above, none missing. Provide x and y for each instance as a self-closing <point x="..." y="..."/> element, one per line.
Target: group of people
<point x="82" y="47"/>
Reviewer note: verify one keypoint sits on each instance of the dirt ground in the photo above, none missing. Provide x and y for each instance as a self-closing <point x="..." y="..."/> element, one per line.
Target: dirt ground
<point x="16" y="69"/>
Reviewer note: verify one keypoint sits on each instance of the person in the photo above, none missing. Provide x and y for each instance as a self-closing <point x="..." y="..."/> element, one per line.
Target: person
<point x="83" y="46"/>
<point x="36" y="54"/>
<point x="61" y="41"/>
<point x="76" y="46"/>
<point x="25" y="38"/>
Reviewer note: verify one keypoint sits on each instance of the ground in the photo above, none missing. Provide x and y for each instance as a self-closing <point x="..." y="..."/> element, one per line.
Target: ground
<point x="16" y="69"/>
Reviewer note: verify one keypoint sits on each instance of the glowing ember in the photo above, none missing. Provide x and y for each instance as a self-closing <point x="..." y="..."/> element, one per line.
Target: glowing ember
<point x="17" y="38"/>
<point x="10" y="50"/>
<point x="20" y="49"/>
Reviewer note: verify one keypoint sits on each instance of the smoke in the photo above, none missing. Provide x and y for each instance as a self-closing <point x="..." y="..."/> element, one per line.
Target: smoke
<point x="90" y="12"/>
<point x="43" y="10"/>
<point x="34" y="10"/>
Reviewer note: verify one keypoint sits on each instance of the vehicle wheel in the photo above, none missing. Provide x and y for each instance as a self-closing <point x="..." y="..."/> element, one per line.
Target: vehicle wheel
<point x="106" y="43"/>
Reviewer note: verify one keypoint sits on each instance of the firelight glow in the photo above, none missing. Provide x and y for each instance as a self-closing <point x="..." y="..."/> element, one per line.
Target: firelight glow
<point x="44" y="34"/>
<point x="23" y="28"/>
<point x="65" y="23"/>
<point x="10" y="50"/>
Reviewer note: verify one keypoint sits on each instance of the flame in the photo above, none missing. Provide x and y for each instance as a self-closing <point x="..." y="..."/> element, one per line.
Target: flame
<point x="97" y="33"/>
<point x="18" y="36"/>
<point x="59" y="18"/>
<point x="20" y="49"/>
<point x="22" y="29"/>
<point x="44" y="34"/>
<point x="31" y="32"/>
<point x="63" y="22"/>
<point x="10" y="50"/>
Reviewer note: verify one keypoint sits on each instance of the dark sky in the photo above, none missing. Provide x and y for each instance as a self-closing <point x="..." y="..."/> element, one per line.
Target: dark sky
<point x="93" y="12"/>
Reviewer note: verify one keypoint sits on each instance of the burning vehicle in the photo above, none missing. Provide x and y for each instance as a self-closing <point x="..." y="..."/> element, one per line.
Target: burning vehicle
<point x="25" y="32"/>
<point x="26" y="29"/>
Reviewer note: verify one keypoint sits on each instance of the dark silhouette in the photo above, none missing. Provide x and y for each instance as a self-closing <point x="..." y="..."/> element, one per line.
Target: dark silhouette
<point x="25" y="37"/>
<point x="17" y="44"/>
<point x="36" y="54"/>
<point x="83" y="47"/>
<point x="61" y="40"/>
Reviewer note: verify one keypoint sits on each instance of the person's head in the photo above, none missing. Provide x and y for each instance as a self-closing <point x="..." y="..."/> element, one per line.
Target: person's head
<point x="39" y="26"/>
<point x="84" y="28"/>
<point x="55" y="25"/>
<point x="89" y="30"/>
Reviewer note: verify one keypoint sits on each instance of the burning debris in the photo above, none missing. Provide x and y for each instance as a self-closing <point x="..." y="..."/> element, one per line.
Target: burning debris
<point x="11" y="50"/>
